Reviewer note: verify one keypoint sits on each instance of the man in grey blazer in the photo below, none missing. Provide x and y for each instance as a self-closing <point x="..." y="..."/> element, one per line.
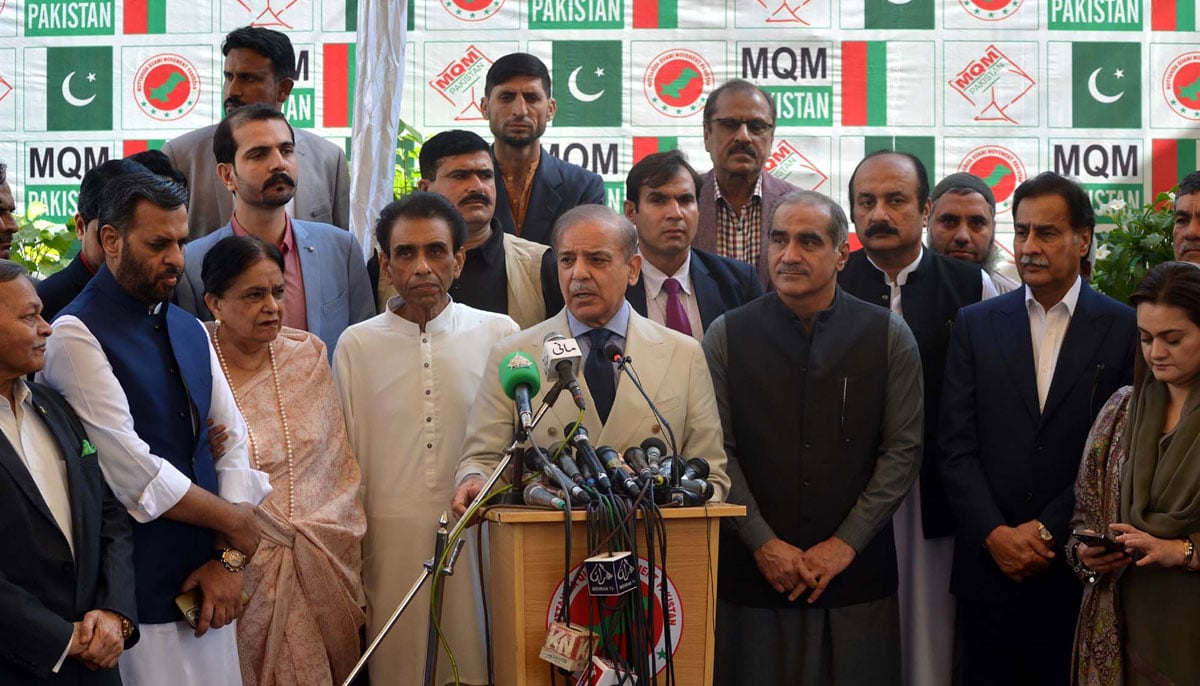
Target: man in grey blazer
<point x="325" y="278"/>
<point x="736" y="197"/>
<point x="260" y="67"/>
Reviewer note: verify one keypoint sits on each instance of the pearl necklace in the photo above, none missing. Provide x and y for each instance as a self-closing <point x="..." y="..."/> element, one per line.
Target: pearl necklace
<point x="287" y="434"/>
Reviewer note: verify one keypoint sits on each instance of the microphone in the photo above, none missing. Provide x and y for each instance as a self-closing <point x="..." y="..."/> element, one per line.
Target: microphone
<point x="584" y="450"/>
<point x="566" y="462"/>
<point x="625" y="364"/>
<point x="561" y="357"/>
<point x="616" y="469"/>
<point x="697" y="468"/>
<point x="539" y="495"/>
<point x="613" y="352"/>
<point x="695" y="477"/>
<point x="636" y="458"/>
<point x="519" y="379"/>
<point x="681" y="497"/>
<point x="671" y="469"/>
<point x="655" y="450"/>
<point x="535" y="458"/>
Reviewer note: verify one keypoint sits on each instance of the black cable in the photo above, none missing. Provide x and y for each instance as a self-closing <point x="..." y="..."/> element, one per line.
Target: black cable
<point x="487" y="620"/>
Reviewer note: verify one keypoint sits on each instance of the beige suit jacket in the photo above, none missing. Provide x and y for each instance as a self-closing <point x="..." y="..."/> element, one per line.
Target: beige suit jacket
<point x="672" y="368"/>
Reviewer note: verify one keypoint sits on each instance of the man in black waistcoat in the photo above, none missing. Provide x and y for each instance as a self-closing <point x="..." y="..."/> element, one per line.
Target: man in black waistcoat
<point x="889" y="197"/>
<point x="820" y="402"/>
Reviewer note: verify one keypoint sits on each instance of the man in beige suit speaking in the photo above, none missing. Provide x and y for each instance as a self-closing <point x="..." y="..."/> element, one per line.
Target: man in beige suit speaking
<point x="597" y="258"/>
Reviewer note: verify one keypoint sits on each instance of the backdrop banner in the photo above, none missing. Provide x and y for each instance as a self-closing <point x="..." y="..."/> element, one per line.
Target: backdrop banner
<point x="1106" y="91"/>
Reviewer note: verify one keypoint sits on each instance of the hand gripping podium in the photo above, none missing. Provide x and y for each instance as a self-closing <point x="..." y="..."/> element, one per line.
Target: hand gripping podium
<point x="527" y="558"/>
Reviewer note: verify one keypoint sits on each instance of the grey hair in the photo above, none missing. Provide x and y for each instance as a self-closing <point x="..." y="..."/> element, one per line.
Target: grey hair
<point x="838" y="228"/>
<point x="10" y="270"/>
<point x="602" y="214"/>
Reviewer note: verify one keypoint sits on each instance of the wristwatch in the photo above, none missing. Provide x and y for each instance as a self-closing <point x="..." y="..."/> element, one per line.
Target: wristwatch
<point x="1043" y="532"/>
<point x="126" y="627"/>
<point x="234" y="560"/>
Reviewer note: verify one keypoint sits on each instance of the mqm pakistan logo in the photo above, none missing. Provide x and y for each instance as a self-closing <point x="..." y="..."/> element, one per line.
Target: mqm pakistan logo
<point x="676" y="81"/>
<point x="472" y="10"/>
<point x="992" y="83"/>
<point x="789" y="164"/>
<point x="167" y="87"/>
<point x="784" y="12"/>
<point x="1181" y="85"/>
<point x="1000" y="169"/>
<point x="579" y="606"/>
<point x="990" y="10"/>
<point x="458" y="80"/>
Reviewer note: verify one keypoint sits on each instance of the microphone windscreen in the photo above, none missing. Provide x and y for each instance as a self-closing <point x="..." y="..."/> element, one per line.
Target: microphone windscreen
<point x="613" y="352"/>
<point x="519" y="368"/>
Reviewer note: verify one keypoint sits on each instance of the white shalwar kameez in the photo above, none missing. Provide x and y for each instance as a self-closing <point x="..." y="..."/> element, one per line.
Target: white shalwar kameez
<point x="406" y="396"/>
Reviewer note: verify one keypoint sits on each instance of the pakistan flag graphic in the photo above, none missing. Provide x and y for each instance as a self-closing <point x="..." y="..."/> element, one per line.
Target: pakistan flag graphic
<point x="588" y="85"/>
<point x="77" y="93"/>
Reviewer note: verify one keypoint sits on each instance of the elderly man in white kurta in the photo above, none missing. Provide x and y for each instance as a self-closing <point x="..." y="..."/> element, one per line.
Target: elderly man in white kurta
<point x="407" y="378"/>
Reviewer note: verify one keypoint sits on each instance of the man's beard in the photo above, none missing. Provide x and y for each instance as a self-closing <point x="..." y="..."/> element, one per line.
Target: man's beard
<point x="140" y="283"/>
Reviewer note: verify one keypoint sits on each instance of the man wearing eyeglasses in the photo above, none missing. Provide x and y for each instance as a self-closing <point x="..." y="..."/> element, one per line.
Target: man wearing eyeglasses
<point x="736" y="197"/>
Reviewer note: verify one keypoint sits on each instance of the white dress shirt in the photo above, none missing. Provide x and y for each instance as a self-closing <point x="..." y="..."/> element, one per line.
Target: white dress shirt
<point x="653" y="279"/>
<point x="146" y="484"/>
<point x="1047" y="328"/>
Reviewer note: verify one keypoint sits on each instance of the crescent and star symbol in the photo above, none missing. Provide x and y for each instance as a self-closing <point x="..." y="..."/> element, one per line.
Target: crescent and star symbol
<point x="1095" y="91"/>
<point x="578" y="94"/>
<point x="70" y="98"/>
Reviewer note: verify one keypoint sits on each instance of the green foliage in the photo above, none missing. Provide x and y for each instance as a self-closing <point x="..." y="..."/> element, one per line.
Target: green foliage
<point x="408" y="150"/>
<point x="1140" y="238"/>
<point x="42" y="246"/>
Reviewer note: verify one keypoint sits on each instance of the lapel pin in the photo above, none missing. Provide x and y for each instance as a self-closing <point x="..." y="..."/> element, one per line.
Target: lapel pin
<point x="42" y="409"/>
<point x="86" y="448"/>
<point x="310" y="248"/>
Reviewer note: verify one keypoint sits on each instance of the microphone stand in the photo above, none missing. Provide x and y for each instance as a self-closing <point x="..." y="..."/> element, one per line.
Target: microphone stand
<point x="625" y="364"/>
<point x="429" y="566"/>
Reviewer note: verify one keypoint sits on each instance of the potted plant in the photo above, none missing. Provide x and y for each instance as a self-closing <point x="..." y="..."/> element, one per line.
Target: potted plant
<point x="1139" y="239"/>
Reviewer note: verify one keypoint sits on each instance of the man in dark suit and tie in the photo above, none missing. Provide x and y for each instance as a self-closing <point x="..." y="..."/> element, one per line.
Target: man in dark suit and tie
<point x="67" y="607"/>
<point x="533" y="188"/>
<point x="679" y="287"/>
<point x="1026" y="374"/>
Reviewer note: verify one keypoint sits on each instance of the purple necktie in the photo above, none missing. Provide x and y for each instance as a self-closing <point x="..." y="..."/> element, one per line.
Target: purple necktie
<point x="676" y="315"/>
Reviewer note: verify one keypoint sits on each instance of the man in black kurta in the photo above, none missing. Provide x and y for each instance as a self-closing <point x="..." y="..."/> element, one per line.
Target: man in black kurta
<point x="820" y="402"/>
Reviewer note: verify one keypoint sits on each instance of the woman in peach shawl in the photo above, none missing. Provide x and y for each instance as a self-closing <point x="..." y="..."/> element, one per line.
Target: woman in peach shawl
<point x="302" y="623"/>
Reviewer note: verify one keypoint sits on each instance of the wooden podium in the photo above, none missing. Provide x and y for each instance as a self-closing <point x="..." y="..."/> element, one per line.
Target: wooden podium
<point x="527" y="568"/>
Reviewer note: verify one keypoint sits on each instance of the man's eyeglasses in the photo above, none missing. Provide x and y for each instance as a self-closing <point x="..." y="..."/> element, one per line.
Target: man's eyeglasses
<point x="756" y="127"/>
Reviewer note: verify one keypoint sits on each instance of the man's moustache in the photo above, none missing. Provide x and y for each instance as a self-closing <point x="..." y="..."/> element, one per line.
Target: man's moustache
<point x="876" y="229"/>
<point x="234" y="103"/>
<point x="1029" y="260"/>
<point x="476" y="196"/>
<point x="745" y="148"/>
<point x="281" y="177"/>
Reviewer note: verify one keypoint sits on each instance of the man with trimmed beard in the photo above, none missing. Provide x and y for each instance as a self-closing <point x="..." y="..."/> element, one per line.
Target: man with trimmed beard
<point x="144" y="379"/>
<point x="962" y="225"/>
<point x="533" y="188"/>
<point x="327" y="287"/>
<point x="260" y="68"/>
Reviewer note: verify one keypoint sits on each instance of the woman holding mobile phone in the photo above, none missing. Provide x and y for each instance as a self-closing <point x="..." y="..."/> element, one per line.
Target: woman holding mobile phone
<point x="1139" y="485"/>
